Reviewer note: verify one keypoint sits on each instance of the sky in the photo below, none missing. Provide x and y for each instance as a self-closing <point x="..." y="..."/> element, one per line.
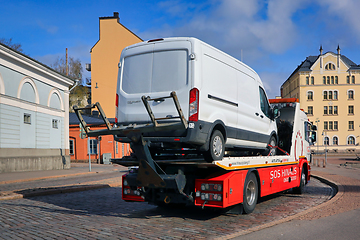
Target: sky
<point x="271" y="36"/>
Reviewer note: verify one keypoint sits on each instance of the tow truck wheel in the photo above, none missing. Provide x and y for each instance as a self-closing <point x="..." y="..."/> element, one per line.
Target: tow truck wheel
<point x="250" y="193"/>
<point x="217" y="147"/>
<point x="301" y="188"/>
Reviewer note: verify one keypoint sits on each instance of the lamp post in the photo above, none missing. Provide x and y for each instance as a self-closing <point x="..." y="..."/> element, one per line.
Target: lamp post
<point x="317" y="129"/>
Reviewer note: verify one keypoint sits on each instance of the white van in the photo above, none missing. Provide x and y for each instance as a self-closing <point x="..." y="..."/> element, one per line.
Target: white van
<point x="223" y="99"/>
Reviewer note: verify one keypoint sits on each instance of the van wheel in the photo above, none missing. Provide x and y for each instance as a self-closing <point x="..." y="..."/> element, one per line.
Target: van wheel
<point x="250" y="193"/>
<point x="217" y="147"/>
<point x="271" y="151"/>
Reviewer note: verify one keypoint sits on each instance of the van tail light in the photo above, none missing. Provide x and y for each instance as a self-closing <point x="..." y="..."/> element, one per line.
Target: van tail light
<point x="117" y="106"/>
<point x="194" y="105"/>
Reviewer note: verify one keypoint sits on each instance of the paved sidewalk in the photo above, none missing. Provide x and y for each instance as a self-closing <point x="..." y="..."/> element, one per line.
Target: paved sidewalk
<point x="16" y="185"/>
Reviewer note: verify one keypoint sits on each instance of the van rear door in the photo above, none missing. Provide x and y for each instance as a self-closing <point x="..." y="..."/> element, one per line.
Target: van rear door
<point x="154" y="70"/>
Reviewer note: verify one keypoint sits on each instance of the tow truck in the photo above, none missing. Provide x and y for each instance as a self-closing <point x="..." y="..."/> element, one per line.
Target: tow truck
<point x="235" y="182"/>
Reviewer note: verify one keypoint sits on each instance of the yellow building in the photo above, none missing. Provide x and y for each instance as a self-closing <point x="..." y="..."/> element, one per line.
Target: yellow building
<point x="328" y="88"/>
<point x="105" y="56"/>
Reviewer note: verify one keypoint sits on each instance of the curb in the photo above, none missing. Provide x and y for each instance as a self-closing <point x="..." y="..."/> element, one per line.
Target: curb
<point x="338" y="194"/>
<point x="55" y="190"/>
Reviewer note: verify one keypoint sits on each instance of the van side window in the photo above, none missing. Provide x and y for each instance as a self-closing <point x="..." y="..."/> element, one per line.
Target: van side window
<point x="264" y="103"/>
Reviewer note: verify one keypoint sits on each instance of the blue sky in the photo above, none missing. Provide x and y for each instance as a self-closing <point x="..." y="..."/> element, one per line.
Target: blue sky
<point x="272" y="36"/>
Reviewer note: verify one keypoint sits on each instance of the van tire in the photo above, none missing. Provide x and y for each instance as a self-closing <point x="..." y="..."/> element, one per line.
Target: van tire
<point x="301" y="188"/>
<point x="271" y="151"/>
<point x="216" y="147"/>
<point x="251" y="193"/>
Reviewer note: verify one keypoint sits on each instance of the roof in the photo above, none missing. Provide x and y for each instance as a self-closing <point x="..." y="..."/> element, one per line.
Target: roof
<point x="90" y="120"/>
<point x="34" y="62"/>
<point x="306" y="65"/>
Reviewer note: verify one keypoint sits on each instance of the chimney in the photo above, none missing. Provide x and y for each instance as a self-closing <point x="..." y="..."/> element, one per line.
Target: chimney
<point x="116" y="15"/>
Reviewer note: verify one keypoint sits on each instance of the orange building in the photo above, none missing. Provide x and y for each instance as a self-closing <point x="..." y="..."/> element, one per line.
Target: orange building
<point x="98" y="145"/>
<point x="105" y="56"/>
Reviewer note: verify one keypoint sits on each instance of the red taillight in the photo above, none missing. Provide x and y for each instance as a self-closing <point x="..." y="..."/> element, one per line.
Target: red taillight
<point x="117" y="105"/>
<point x="194" y="105"/>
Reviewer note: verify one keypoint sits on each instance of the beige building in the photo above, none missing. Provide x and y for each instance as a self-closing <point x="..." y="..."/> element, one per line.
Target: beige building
<point x="105" y="56"/>
<point x="328" y="88"/>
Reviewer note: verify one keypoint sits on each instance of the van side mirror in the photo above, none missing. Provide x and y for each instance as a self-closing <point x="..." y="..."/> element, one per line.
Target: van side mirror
<point x="276" y="113"/>
<point x="313" y="127"/>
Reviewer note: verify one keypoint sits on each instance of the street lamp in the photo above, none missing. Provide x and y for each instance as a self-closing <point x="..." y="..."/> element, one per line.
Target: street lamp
<point x="317" y="128"/>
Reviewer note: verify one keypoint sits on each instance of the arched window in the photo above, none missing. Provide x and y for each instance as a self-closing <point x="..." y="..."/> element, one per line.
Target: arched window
<point x="336" y="80"/>
<point x="310" y="95"/>
<point x="351" y="140"/>
<point x="307" y="80"/>
<point x="327" y="80"/>
<point x="324" y="80"/>
<point x="325" y="95"/>
<point x="330" y="95"/>
<point x="348" y="79"/>
<point x="330" y="66"/>
<point x="335" y="140"/>
<point x="312" y="80"/>
<point x="332" y="79"/>
<point x="326" y="141"/>
<point x="350" y="94"/>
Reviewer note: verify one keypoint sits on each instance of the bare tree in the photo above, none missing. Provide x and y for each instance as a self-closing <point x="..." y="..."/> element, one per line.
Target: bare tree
<point x="80" y="95"/>
<point x="10" y="44"/>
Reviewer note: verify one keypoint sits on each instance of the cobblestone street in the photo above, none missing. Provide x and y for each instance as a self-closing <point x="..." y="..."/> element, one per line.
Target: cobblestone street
<point x="101" y="214"/>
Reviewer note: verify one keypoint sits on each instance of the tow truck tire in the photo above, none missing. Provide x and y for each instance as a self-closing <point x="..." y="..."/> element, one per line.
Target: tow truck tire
<point x="301" y="188"/>
<point x="250" y="193"/>
<point x="217" y="147"/>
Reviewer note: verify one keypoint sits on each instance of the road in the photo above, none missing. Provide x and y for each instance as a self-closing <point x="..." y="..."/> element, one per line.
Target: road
<point x="101" y="214"/>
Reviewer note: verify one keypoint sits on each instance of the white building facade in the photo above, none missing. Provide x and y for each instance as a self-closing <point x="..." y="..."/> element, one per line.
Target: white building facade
<point x="34" y="114"/>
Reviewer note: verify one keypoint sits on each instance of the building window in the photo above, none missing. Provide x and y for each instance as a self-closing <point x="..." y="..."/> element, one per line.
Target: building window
<point x="310" y="110"/>
<point x="327" y="80"/>
<point x="93" y="146"/>
<point x="307" y="80"/>
<point x="325" y="95"/>
<point x="326" y="141"/>
<point x="71" y="145"/>
<point x="336" y="80"/>
<point x="330" y="95"/>
<point x="312" y="80"/>
<point x="55" y="123"/>
<point x="335" y="95"/>
<point x="348" y="79"/>
<point x="324" y="80"/>
<point x="351" y="94"/>
<point x="325" y="110"/>
<point x="335" y="110"/>
<point x="351" y="125"/>
<point x="351" y="140"/>
<point x="325" y="125"/>
<point x="330" y="110"/>
<point x="335" y="140"/>
<point x="330" y="125"/>
<point x="27" y="118"/>
<point x="353" y="79"/>
<point x="330" y="66"/>
<point x="310" y="95"/>
<point x="351" y="110"/>
<point x="335" y="125"/>
<point x="332" y="79"/>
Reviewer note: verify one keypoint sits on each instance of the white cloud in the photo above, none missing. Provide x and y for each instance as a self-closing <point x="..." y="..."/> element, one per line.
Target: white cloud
<point x="47" y="28"/>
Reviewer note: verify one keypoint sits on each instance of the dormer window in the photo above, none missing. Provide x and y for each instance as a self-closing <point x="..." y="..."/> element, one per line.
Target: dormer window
<point x="330" y="66"/>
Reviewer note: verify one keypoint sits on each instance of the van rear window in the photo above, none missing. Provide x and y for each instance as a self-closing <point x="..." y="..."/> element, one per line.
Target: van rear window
<point x="155" y="72"/>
